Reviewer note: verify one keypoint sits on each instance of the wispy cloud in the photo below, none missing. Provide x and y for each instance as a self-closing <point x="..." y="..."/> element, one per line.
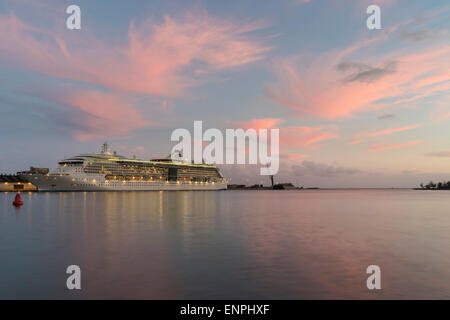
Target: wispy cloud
<point x="100" y="113"/>
<point x="261" y="123"/>
<point x="358" y="141"/>
<point x="393" y="130"/>
<point x="381" y="147"/>
<point x="440" y="154"/>
<point x="291" y="136"/>
<point x="297" y="157"/>
<point x="161" y="59"/>
<point x="361" y="136"/>
<point x="306" y="137"/>
<point x="155" y="59"/>
<point x="322" y="169"/>
<point x="332" y="85"/>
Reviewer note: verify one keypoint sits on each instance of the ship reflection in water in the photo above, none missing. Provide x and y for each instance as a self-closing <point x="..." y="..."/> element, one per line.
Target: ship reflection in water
<point x="227" y="244"/>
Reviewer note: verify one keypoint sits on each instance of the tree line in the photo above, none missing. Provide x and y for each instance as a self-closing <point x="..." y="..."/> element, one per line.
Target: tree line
<point x="445" y="185"/>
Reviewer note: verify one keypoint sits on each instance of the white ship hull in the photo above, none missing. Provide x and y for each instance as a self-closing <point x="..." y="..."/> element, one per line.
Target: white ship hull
<point x="111" y="172"/>
<point x="54" y="182"/>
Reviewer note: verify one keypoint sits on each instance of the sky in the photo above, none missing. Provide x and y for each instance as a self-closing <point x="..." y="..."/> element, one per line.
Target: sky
<point x="355" y="107"/>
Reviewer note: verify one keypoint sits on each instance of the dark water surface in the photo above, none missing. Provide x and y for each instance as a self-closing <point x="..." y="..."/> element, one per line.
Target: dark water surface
<point x="226" y="244"/>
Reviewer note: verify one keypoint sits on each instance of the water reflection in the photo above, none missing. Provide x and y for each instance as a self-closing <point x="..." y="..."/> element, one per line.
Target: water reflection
<point x="231" y="244"/>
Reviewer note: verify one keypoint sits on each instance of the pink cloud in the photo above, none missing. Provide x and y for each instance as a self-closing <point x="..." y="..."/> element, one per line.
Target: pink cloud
<point x="102" y="114"/>
<point x="297" y="157"/>
<point x="162" y="59"/>
<point x="361" y="136"/>
<point x="290" y="136"/>
<point x="332" y="86"/>
<point x="393" y="130"/>
<point x="262" y="123"/>
<point x="308" y="137"/>
<point x="154" y="60"/>
<point x="380" y="147"/>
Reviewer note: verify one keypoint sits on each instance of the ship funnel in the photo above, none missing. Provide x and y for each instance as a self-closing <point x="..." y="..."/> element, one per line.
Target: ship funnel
<point x="105" y="148"/>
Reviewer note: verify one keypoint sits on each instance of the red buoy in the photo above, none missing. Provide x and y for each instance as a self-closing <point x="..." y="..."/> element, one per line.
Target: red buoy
<point x="18" y="200"/>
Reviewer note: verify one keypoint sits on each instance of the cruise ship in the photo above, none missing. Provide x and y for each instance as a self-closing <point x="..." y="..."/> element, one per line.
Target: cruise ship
<point x="107" y="171"/>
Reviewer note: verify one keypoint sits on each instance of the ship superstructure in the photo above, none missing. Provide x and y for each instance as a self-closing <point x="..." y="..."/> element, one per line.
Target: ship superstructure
<point x="111" y="172"/>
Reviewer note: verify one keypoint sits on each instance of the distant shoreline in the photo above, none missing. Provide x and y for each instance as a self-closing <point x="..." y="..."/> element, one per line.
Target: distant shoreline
<point x="318" y="189"/>
<point x="240" y="189"/>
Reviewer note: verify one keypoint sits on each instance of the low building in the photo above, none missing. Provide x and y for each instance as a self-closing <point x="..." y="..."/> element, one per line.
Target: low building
<point x="11" y="183"/>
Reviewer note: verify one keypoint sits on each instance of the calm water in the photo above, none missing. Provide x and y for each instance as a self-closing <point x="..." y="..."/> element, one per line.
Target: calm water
<point x="227" y="244"/>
